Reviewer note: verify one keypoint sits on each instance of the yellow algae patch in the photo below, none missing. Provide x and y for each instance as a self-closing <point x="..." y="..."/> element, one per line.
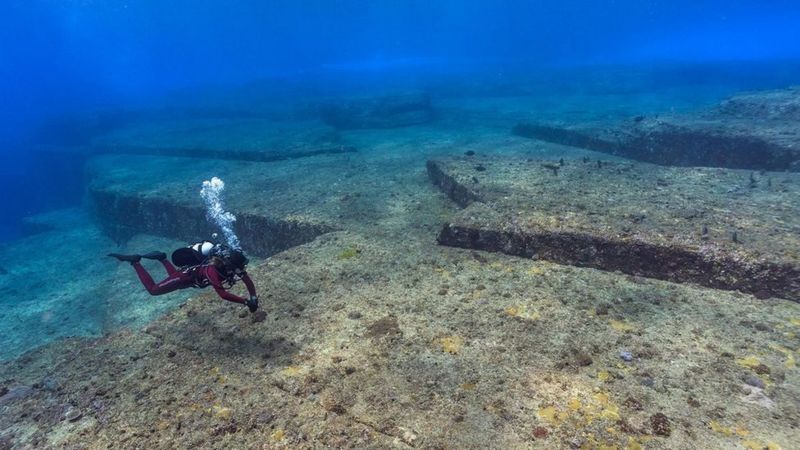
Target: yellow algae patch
<point x="790" y="361"/>
<point x="741" y="431"/>
<point x="610" y="412"/>
<point x="291" y="371"/>
<point x="751" y="362"/>
<point x="622" y="326"/>
<point x="278" y="435"/>
<point x="535" y="271"/>
<point x="451" y="344"/>
<point x="633" y="444"/>
<point x="719" y="428"/>
<point x="601" y="398"/>
<point x="222" y="413"/>
<point x="551" y="415"/>
<point x="441" y="271"/>
<point x="603" y="375"/>
<point x="521" y="312"/>
<point x="574" y="404"/>
<point x="756" y="445"/>
<point x="348" y="253"/>
<point x="467" y="386"/>
<point x="215" y="372"/>
<point x="795" y="321"/>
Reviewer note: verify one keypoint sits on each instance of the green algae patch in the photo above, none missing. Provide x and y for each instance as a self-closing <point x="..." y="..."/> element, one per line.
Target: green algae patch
<point x="622" y="326"/>
<point x="278" y="435"/>
<point x="291" y="371"/>
<point x="451" y="344"/>
<point x="348" y="253"/>
<point x="520" y="311"/>
<point x="739" y="431"/>
<point x="750" y="362"/>
<point x="222" y="413"/>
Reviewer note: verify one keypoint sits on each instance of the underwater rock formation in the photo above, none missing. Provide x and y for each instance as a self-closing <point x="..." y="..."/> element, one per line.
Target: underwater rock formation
<point x="752" y="131"/>
<point x="124" y="215"/>
<point x="256" y="140"/>
<point x="681" y="225"/>
<point x="384" y="112"/>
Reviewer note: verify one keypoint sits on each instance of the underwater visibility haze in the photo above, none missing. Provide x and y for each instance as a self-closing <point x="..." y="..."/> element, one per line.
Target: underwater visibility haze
<point x="400" y="224"/>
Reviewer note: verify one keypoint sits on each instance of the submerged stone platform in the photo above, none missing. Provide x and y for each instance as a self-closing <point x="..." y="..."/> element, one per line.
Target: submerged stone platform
<point x="390" y="111"/>
<point x="751" y="131"/>
<point x="248" y="139"/>
<point x="721" y="228"/>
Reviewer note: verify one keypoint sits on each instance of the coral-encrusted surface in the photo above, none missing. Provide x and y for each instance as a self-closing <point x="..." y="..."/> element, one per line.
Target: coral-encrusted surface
<point x="403" y="344"/>
<point x="375" y="337"/>
<point x="722" y="228"/>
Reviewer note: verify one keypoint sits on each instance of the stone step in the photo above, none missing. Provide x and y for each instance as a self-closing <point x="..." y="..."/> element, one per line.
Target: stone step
<point x="160" y="195"/>
<point x="754" y="131"/>
<point x="259" y="140"/>
<point x="720" y="228"/>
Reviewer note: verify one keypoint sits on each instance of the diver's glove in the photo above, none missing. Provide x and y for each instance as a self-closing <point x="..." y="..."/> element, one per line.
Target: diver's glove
<point x="252" y="303"/>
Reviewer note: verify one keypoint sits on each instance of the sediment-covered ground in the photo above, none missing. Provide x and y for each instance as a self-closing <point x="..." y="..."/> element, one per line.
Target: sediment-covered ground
<point x="374" y="336"/>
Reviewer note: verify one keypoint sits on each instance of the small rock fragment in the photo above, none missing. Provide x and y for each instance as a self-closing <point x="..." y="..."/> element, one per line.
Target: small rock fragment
<point x="660" y="424"/>
<point x="540" y="432"/>
<point x="73" y="414"/>
<point x="582" y="358"/>
<point x="259" y="316"/>
<point x="753" y="380"/>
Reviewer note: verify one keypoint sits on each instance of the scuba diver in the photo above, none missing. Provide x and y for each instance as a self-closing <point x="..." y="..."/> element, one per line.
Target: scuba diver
<point x="199" y="265"/>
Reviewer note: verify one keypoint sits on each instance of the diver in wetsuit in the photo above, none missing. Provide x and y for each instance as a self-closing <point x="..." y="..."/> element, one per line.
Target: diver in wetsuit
<point x="201" y="265"/>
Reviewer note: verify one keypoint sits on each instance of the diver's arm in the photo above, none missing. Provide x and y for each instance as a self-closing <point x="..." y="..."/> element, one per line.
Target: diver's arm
<point x="251" y="288"/>
<point x="216" y="283"/>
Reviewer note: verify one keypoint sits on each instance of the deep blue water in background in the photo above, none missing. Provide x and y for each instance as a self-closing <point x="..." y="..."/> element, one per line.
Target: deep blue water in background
<point x="65" y="59"/>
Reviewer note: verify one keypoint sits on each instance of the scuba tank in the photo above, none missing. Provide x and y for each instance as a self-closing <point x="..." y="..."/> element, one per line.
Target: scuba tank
<point x="194" y="255"/>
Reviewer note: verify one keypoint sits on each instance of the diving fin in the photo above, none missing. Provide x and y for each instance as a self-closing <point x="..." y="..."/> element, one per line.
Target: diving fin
<point x="158" y="256"/>
<point x="126" y="258"/>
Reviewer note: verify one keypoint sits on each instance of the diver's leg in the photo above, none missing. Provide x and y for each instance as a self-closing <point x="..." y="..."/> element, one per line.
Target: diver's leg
<point x="171" y="270"/>
<point x="145" y="278"/>
<point x="178" y="280"/>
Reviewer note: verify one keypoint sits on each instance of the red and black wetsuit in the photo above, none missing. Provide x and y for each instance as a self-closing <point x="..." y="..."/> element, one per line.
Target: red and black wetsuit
<point x="197" y="276"/>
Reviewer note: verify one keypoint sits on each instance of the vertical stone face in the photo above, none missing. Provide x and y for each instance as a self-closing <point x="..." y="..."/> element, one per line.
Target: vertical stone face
<point x="123" y="215"/>
<point x="763" y="279"/>
<point x="499" y="216"/>
<point x="455" y="190"/>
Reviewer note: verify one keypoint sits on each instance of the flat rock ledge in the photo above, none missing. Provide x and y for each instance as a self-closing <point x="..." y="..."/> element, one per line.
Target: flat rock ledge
<point x="265" y="155"/>
<point x="755" y="131"/>
<point x="716" y="228"/>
